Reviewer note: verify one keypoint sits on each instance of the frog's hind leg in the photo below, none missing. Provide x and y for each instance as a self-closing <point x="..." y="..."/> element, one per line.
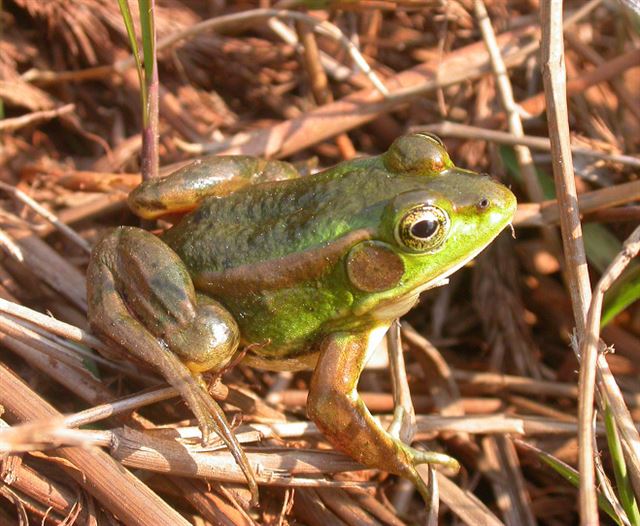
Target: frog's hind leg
<point x="141" y="297"/>
<point x="214" y="175"/>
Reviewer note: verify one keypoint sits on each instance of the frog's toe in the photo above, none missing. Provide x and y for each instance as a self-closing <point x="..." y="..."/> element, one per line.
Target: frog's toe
<point x="225" y="432"/>
<point x="433" y="457"/>
<point x="418" y="457"/>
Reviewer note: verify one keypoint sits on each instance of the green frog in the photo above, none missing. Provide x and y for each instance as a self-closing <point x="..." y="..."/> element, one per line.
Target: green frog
<point x="295" y="272"/>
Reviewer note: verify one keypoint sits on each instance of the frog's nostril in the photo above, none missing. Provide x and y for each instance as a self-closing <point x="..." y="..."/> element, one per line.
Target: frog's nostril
<point x="483" y="204"/>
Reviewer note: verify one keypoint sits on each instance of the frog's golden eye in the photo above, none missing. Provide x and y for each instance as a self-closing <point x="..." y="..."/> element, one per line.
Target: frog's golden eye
<point x="423" y="228"/>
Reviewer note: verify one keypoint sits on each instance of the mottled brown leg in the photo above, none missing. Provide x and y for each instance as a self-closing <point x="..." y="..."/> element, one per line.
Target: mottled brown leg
<point x="129" y="321"/>
<point x="336" y="407"/>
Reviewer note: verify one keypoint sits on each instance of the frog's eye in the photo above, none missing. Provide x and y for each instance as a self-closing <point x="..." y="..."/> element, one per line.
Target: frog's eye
<point x="422" y="228"/>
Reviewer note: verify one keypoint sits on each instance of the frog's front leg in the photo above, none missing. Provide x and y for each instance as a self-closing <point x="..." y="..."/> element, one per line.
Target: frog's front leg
<point x="141" y="296"/>
<point x="336" y="407"/>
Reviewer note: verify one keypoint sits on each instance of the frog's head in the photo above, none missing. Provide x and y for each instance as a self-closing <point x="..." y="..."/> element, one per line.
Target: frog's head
<point x="428" y="232"/>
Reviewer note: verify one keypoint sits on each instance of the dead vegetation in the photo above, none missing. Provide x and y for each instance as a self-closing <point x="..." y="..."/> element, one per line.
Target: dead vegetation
<point x="491" y="359"/>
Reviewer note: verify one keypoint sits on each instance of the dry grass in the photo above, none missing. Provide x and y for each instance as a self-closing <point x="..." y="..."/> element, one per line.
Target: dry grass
<point x="490" y="360"/>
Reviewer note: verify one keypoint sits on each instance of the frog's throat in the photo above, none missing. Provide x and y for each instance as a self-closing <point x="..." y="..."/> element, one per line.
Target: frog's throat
<point x="397" y="307"/>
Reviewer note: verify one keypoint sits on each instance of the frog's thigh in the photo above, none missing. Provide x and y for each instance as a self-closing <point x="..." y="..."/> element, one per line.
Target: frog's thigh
<point x="125" y="304"/>
<point x="157" y="291"/>
<point x="110" y="316"/>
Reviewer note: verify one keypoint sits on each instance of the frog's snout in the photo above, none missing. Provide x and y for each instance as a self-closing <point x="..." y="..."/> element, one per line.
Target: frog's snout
<point x="499" y="202"/>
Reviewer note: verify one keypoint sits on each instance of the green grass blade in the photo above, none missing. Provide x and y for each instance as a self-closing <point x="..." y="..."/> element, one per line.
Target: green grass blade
<point x="601" y="244"/>
<point x="623" y="293"/>
<point x="625" y="491"/>
<point x="133" y="42"/>
<point x="573" y="477"/>
<point x="601" y="247"/>
<point x="150" y="128"/>
<point x="146" y="30"/>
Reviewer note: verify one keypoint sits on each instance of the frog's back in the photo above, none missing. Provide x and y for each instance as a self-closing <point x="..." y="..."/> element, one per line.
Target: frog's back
<point x="273" y="220"/>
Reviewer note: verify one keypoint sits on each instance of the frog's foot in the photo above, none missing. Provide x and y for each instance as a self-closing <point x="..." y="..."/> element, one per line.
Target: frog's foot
<point x="141" y="297"/>
<point x="336" y="407"/>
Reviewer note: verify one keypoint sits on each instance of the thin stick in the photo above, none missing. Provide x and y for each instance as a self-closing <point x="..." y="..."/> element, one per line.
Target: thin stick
<point x="404" y="415"/>
<point x="523" y="154"/>
<point x="36" y="117"/>
<point x="318" y="80"/>
<point x="464" y="131"/>
<point x="534" y="214"/>
<point x="589" y="344"/>
<point x="554" y="77"/>
<point x="57" y="327"/>
<point x="113" y="486"/>
<point x="49" y="216"/>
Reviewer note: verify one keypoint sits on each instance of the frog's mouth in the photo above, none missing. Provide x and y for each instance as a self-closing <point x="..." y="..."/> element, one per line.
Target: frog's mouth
<point x="399" y="306"/>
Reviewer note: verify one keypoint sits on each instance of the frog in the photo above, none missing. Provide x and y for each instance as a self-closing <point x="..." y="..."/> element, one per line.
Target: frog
<point x="292" y="273"/>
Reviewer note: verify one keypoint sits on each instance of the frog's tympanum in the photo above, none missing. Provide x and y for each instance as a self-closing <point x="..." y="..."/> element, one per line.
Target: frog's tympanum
<point x="304" y="272"/>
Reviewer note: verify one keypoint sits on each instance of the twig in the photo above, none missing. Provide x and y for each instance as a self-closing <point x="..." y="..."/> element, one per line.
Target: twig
<point x="124" y="405"/>
<point x="52" y="325"/>
<point x="404" y="416"/>
<point x="590" y="343"/>
<point x="464" y="503"/>
<point x="318" y="79"/>
<point x="274" y="466"/>
<point x="522" y="354"/>
<point x="523" y="154"/>
<point x="464" y="131"/>
<point x="36" y="117"/>
<point x="10" y="247"/>
<point x="66" y="352"/>
<point x="334" y="69"/>
<point x="49" y="216"/>
<point x="114" y="487"/>
<point x="533" y="214"/>
<point x="554" y="77"/>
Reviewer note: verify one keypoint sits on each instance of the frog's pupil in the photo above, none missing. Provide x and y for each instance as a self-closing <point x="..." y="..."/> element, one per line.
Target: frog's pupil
<point x="424" y="229"/>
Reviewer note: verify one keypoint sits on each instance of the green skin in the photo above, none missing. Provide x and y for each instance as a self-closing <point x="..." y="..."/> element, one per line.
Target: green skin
<point x="303" y="272"/>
